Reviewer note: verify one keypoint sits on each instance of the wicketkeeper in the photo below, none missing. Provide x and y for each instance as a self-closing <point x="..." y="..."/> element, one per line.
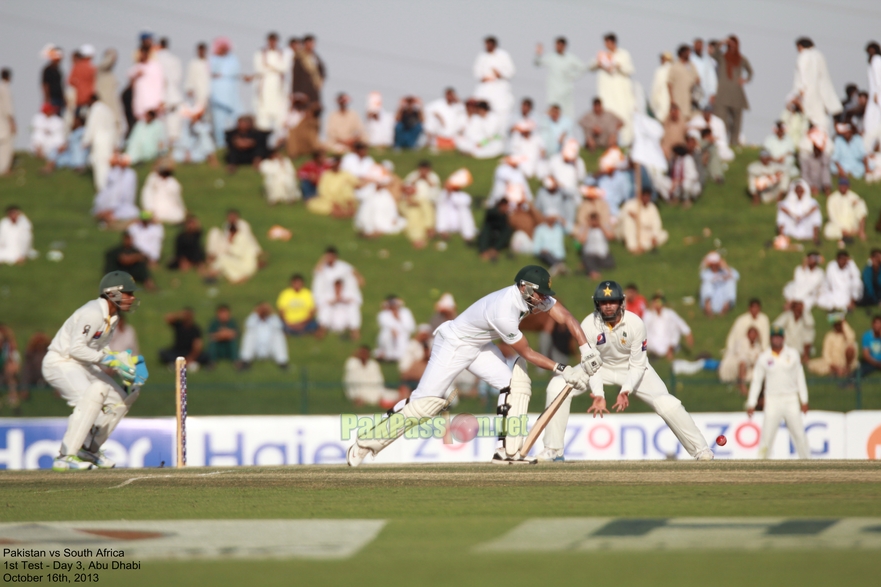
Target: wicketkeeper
<point x="73" y="366"/>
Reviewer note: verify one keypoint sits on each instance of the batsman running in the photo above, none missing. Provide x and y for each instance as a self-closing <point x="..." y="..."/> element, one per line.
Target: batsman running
<point x="621" y="342"/>
<point x="73" y="366"/>
<point x="466" y="343"/>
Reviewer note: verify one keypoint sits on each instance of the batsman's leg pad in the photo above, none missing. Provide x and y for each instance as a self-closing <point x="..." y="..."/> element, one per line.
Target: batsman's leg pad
<point x="80" y="423"/>
<point x="111" y="415"/>
<point x="512" y="406"/>
<point x="555" y="431"/>
<point x="671" y="410"/>
<point x="405" y="415"/>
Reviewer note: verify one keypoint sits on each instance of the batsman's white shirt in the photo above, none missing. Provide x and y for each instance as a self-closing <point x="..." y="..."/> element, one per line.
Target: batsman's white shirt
<point x="466" y="342"/>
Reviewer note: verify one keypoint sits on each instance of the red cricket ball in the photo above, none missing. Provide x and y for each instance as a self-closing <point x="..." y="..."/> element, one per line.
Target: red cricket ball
<point x="464" y="427"/>
<point x="721" y="440"/>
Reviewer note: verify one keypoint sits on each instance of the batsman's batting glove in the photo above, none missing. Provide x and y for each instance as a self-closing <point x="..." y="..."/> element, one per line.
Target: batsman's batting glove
<point x="591" y="361"/>
<point x="121" y="362"/>
<point x="575" y="377"/>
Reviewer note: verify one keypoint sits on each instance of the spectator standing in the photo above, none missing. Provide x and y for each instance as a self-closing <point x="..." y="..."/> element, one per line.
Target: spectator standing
<point x="564" y="69"/>
<point x="494" y="69"/>
<point x="614" y="85"/>
<point x="7" y="122"/>
<point x="813" y="85"/>
<point x="309" y="72"/>
<point x="734" y="72"/>
<point x="52" y="77"/>
<point x="270" y="96"/>
<point x="225" y="75"/>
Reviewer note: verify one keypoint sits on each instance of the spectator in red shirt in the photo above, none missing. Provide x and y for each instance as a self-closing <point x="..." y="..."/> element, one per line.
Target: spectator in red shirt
<point x="83" y="75"/>
<point x="310" y="172"/>
<point x="633" y="301"/>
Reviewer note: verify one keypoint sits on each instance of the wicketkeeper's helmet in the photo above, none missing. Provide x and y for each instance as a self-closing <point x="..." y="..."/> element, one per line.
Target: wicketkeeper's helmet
<point x="114" y="284"/>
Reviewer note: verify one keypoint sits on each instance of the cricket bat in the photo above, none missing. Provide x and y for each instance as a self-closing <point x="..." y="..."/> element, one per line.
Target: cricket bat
<point x="543" y="420"/>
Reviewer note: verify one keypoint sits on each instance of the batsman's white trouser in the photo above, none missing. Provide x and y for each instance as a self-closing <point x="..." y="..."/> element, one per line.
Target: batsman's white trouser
<point x="97" y="400"/>
<point x="787" y="409"/>
<point x="651" y="390"/>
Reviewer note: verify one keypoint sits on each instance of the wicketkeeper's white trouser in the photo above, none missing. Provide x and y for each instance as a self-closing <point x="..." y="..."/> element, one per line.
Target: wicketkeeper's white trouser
<point x="651" y="390"/>
<point x="787" y="409"/>
<point x="97" y="400"/>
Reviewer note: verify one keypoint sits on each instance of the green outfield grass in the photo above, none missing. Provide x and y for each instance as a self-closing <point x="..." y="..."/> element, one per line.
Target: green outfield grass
<point x="42" y="294"/>
<point x="437" y="516"/>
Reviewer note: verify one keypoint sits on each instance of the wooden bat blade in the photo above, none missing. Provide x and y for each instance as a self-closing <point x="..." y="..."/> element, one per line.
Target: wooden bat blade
<point x="543" y="420"/>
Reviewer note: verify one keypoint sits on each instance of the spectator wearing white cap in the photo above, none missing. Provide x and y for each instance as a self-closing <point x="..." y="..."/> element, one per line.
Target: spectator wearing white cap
<point x="551" y="198"/>
<point x="83" y="75"/>
<point x="379" y="123"/>
<point x="453" y="214"/>
<point x="613" y="177"/>
<point x="718" y="291"/>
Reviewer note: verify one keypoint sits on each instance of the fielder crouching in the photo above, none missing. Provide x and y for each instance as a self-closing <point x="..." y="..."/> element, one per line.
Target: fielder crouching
<point x="466" y="343"/>
<point x="73" y="366"/>
<point x="620" y="339"/>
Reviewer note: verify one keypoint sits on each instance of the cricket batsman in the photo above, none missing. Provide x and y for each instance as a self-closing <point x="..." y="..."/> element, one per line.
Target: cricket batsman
<point x="466" y="343"/>
<point x="73" y="366"/>
<point x="620" y="339"/>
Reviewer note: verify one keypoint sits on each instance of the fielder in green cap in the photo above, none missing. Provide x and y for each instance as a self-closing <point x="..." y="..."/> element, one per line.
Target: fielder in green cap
<point x="467" y="343"/>
<point x="76" y="366"/>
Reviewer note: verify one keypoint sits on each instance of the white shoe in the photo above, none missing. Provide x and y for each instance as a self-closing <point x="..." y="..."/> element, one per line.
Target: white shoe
<point x="503" y="459"/>
<point x="71" y="463"/>
<point x="99" y="459"/>
<point x="705" y="455"/>
<point x="356" y="454"/>
<point x="551" y="455"/>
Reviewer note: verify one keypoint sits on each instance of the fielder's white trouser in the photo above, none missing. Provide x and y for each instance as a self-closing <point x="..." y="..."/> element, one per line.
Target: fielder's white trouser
<point x="787" y="409"/>
<point x="449" y="357"/>
<point x="651" y="390"/>
<point x="97" y="401"/>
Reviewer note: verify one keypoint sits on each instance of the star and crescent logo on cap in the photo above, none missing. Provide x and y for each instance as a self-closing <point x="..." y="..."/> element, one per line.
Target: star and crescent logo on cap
<point x="608" y="291"/>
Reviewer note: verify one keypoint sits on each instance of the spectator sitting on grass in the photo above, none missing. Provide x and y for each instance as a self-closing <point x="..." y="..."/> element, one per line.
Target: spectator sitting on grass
<point x="10" y="367"/>
<point x="839" y="357"/>
<point x="549" y="244"/>
<point x="296" y="306"/>
<point x="245" y="144"/>
<point x="125" y="338"/>
<point x="364" y="382"/>
<point x="870" y="360"/>
<point x="336" y="192"/>
<point x="162" y="194"/>
<point x="595" y="253"/>
<point x="223" y="336"/>
<point x="126" y="257"/>
<point x="396" y="325"/>
<point x="718" y="285"/>
<point x="188" y="250"/>
<point x="664" y="329"/>
<point x="16" y="236"/>
<point x="116" y="200"/>
<point x="412" y="363"/>
<point x="264" y="338"/>
<point x="739" y="359"/>
<point x="310" y="174"/>
<point x="496" y="233"/>
<point x="187" y="342"/>
<point x="233" y="251"/>
<point x="32" y="371"/>
<point x="147" y="139"/>
<point x="279" y="179"/>
<point x="147" y="237"/>
<point x="798" y="325"/>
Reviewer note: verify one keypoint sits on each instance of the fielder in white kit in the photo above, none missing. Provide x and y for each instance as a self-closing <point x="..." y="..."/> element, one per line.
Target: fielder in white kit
<point x="466" y="343"/>
<point x="73" y="366"/>
<point x="786" y="394"/>
<point x="620" y="339"/>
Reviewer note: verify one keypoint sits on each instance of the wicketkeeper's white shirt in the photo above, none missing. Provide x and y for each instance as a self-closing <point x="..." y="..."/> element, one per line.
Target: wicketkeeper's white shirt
<point x="622" y="347"/>
<point x="83" y="336"/>
<point x="495" y="316"/>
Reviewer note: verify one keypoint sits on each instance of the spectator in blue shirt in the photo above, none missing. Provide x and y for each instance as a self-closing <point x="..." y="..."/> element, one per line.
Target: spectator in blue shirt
<point x="872" y="280"/>
<point x="870" y="361"/>
<point x="548" y="242"/>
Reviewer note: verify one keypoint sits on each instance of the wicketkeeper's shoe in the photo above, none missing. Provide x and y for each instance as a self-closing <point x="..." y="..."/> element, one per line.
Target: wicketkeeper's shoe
<point x="99" y="459"/>
<point x="71" y="463"/>
<point x="356" y="454"/>
<point x="551" y="455"/>
<point x="705" y="455"/>
<point x="501" y="459"/>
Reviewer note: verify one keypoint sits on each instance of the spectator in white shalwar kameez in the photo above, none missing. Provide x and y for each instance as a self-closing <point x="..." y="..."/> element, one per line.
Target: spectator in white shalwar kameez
<point x="798" y="214"/>
<point x="706" y="70"/>
<point x="271" y="99"/>
<point x="555" y="129"/>
<point x="568" y="170"/>
<point x="563" y="69"/>
<point x="647" y="151"/>
<point x="358" y="162"/>
<point x="508" y="171"/>
<point x="781" y="148"/>
<point x="396" y="326"/>
<point x="614" y="86"/>
<point x="614" y="179"/>
<point x="659" y="100"/>
<point x="328" y="271"/>
<point x="377" y="209"/>
<point x="550" y="198"/>
<point x="198" y="81"/>
<point x="147" y="236"/>
<point x="364" y="382"/>
<point x="767" y="180"/>
<point x="379" y="124"/>
<point x="161" y="195"/>
<point x="529" y="147"/>
<point x="872" y="115"/>
<point x="148" y="84"/>
<point x="706" y="119"/>
<point x="47" y="132"/>
<point x="196" y="141"/>
<point x="264" y="337"/>
<point x="752" y="318"/>
<point x="232" y="250"/>
<point x="718" y="291"/>
<point x="494" y="69"/>
<point x="847" y="213"/>
<point x="115" y="202"/>
<point x="843" y="286"/>
<point x="813" y="85"/>
<point x="807" y="282"/>
<point x="444" y="120"/>
<point x="16" y="236"/>
<point x="685" y="181"/>
<point x="664" y="328"/>
<point x="172" y="71"/>
<point x="279" y="179"/>
<point x="339" y="310"/>
<point x="482" y="135"/>
<point x="453" y="214"/>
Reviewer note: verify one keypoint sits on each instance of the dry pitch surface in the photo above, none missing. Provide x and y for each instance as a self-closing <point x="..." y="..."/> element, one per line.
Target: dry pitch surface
<point x="643" y="523"/>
